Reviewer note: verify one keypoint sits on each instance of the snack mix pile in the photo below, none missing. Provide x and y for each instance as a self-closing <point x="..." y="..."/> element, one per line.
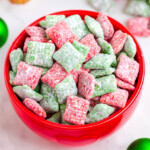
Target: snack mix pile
<point x="74" y="72"/>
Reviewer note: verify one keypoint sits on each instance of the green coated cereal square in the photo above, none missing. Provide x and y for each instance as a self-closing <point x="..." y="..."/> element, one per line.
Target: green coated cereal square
<point x="26" y="92"/>
<point x="104" y="85"/>
<point x="94" y="26"/>
<point x="55" y="118"/>
<point x="11" y="76"/>
<point x="50" y="101"/>
<point x="68" y="57"/>
<point x="65" y="88"/>
<point x="15" y="57"/>
<point x="40" y="54"/>
<point x="77" y="25"/>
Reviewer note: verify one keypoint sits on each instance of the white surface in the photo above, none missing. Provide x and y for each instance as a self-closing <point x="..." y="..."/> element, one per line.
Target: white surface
<point x="14" y="135"/>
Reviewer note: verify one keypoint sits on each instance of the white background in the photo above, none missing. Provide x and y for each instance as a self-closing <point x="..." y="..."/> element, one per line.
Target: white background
<point x="14" y="135"/>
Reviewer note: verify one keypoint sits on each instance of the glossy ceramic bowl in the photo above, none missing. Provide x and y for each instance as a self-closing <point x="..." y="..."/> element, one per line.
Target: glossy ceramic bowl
<point x="77" y="134"/>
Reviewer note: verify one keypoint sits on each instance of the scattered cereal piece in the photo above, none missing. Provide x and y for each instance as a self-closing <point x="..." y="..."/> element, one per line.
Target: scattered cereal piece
<point x="68" y="57"/>
<point x="11" y="76"/>
<point x="51" y="20"/>
<point x="99" y="61"/>
<point x="124" y="85"/>
<point x="121" y="53"/>
<point x="27" y="75"/>
<point x="139" y="26"/>
<point x="130" y="47"/>
<point x="76" y="110"/>
<point x="86" y="85"/>
<point x="104" y="72"/>
<point x="105" y="85"/>
<point x="49" y="102"/>
<point x="40" y="54"/>
<point x="65" y="88"/>
<point x="15" y="57"/>
<point x="35" y="31"/>
<point x="26" y="92"/>
<point x="127" y="69"/>
<point x="34" y="107"/>
<point x="55" y="118"/>
<point x="77" y="25"/>
<point x="61" y="33"/>
<point x="118" y="98"/>
<point x="94" y="27"/>
<point x="106" y="25"/>
<point x="90" y="42"/>
<point x="100" y="112"/>
<point x="118" y="40"/>
<point x="55" y="75"/>
<point x="137" y="8"/>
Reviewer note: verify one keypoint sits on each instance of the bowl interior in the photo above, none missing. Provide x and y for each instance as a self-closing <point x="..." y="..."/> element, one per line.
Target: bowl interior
<point x="19" y="41"/>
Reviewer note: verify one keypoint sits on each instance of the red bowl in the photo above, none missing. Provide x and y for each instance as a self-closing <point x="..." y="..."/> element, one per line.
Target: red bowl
<point x="79" y="134"/>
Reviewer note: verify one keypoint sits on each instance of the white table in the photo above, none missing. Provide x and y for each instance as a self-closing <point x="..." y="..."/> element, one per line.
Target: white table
<point x="14" y="135"/>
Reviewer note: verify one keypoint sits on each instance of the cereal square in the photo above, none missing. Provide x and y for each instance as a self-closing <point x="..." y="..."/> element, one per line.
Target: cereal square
<point x="90" y="42"/>
<point x="65" y="88"/>
<point x="127" y="69"/>
<point x="77" y="25"/>
<point x="86" y="85"/>
<point x="118" y="98"/>
<point x="76" y="110"/>
<point x="35" y="31"/>
<point x="40" y="54"/>
<point x="68" y="57"/>
<point x="118" y="40"/>
<point x="54" y="75"/>
<point x="27" y="75"/>
<point x="61" y="33"/>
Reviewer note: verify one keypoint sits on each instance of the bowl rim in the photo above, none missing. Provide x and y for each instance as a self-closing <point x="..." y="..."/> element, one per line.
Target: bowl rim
<point x="75" y="127"/>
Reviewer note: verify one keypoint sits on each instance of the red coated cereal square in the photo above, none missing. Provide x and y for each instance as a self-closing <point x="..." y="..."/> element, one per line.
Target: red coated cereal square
<point x="27" y="75"/>
<point x="127" y="69"/>
<point x="76" y="110"/>
<point x="89" y="41"/>
<point x="61" y="33"/>
<point x="124" y="85"/>
<point x="86" y="85"/>
<point x="26" y="44"/>
<point x="106" y="25"/>
<point x="34" y="107"/>
<point x="118" y="40"/>
<point x="139" y="26"/>
<point x="118" y="98"/>
<point x="55" y="75"/>
<point x="35" y="31"/>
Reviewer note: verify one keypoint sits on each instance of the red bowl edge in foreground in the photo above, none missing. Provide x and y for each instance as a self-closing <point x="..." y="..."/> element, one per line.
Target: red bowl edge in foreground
<point x="79" y="134"/>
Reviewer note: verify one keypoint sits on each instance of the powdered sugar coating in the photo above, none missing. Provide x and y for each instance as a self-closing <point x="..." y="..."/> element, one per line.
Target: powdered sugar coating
<point x="34" y="107"/>
<point x="77" y="25"/>
<point x="76" y="110"/>
<point x="26" y="92"/>
<point x="118" y="40"/>
<point x="35" y="31"/>
<point x="86" y="85"/>
<point x="99" y="112"/>
<point x="124" y="85"/>
<point x="40" y="54"/>
<point x="65" y="88"/>
<point x="90" y="42"/>
<point x="139" y="26"/>
<point x="49" y="102"/>
<point x="27" y="75"/>
<point x="61" y="33"/>
<point x="106" y="25"/>
<point x="127" y="69"/>
<point x="94" y="27"/>
<point x="15" y="57"/>
<point x="68" y="57"/>
<point x="55" y="75"/>
<point x="118" y="98"/>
